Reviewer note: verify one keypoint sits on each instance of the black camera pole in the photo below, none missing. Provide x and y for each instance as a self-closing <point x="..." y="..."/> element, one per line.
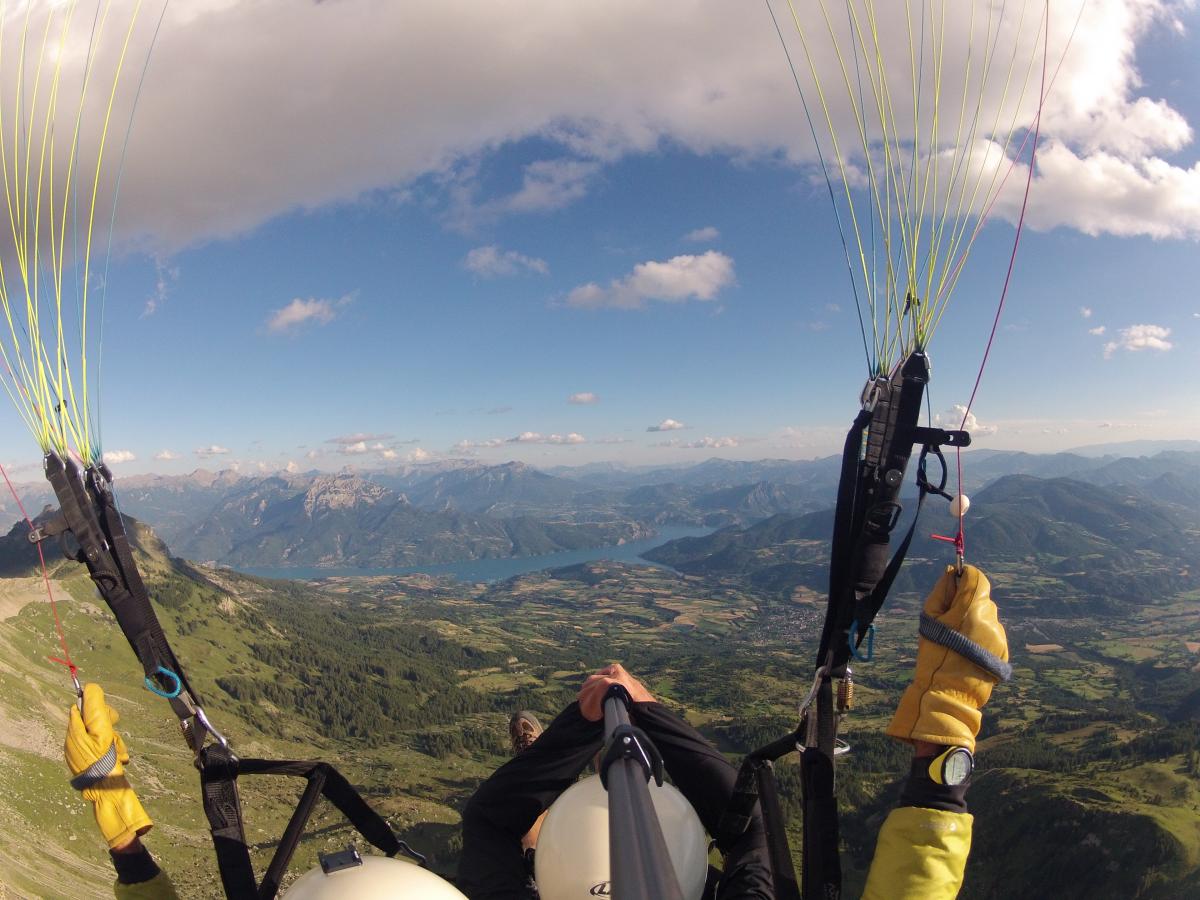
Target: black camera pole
<point x="640" y="865"/>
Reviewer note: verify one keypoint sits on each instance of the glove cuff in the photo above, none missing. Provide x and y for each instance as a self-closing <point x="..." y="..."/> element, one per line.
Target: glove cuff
<point x="936" y="717"/>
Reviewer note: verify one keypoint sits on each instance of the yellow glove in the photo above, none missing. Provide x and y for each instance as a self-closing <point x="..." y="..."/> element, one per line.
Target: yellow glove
<point x="97" y="758"/>
<point x="961" y="654"/>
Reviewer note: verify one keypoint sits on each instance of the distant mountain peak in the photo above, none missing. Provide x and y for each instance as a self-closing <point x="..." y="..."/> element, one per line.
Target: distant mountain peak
<point x="343" y="491"/>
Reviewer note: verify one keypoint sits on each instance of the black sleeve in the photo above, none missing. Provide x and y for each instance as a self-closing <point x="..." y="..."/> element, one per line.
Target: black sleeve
<point x="134" y="868"/>
<point x="921" y="790"/>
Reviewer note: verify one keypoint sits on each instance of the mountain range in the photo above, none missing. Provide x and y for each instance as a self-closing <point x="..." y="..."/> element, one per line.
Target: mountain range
<point x="455" y="510"/>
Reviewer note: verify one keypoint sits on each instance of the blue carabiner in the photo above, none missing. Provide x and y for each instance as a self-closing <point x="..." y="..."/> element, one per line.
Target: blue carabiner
<point x="155" y="689"/>
<point x="870" y="642"/>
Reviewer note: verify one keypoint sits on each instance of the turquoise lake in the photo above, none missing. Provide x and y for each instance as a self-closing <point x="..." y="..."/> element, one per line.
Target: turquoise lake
<point x="486" y="570"/>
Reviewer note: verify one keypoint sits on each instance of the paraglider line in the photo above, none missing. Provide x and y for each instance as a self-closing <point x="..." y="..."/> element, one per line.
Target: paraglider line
<point x="829" y="185"/>
<point x="65" y="660"/>
<point x="959" y="541"/>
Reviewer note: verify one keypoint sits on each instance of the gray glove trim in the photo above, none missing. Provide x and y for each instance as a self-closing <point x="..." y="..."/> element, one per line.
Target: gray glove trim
<point x="97" y="771"/>
<point x="933" y="630"/>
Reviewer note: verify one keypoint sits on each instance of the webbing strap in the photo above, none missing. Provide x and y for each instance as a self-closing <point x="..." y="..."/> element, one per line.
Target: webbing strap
<point x="223" y="809"/>
<point x="141" y="625"/>
<point x="97" y="771"/>
<point x="868" y="607"/>
<point x="822" y="869"/>
<point x="88" y="512"/>
<point x="219" y="771"/>
<point x="783" y="871"/>
<point x="933" y="630"/>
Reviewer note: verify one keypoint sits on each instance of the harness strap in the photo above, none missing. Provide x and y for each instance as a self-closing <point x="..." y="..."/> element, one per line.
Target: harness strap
<point x="933" y="630"/>
<point x="822" y="869"/>
<point x="219" y="771"/>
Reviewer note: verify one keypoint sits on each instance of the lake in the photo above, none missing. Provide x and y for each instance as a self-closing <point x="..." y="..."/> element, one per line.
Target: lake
<point x="477" y="570"/>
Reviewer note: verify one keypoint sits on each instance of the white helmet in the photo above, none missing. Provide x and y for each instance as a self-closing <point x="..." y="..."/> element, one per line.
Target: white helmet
<point x="571" y="860"/>
<point x="372" y="878"/>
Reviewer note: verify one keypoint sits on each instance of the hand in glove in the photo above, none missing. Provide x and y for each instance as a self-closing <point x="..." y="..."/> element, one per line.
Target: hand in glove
<point x="97" y="758"/>
<point x="961" y="654"/>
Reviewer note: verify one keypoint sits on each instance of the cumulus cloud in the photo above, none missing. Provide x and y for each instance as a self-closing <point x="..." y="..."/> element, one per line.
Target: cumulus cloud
<point x="704" y="443"/>
<point x="357" y="437"/>
<point x="1085" y="311"/>
<point x="358" y="448"/>
<point x="705" y="235"/>
<point x="211" y="450"/>
<point x="584" y="398"/>
<point x="1136" y="338"/>
<point x="534" y="437"/>
<point x="312" y="454"/>
<point x="953" y="419"/>
<point x="270" y="72"/>
<point x="492" y="262"/>
<point x="666" y="425"/>
<point x="292" y="467"/>
<point x="1098" y="330"/>
<point x="676" y="280"/>
<point x="115" y="457"/>
<point x="419" y="456"/>
<point x="166" y="455"/>
<point x="467" y="446"/>
<point x="299" y="312"/>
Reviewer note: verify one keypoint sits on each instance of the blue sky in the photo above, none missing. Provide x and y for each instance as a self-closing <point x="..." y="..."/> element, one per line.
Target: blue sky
<point x="378" y="311"/>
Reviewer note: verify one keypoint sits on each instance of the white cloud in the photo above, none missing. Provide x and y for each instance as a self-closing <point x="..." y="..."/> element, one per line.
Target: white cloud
<point x="584" y="398"/>
<point x="534" y="437"/>
<point x="953" y="419"/>
<point x="492" y="262"/>
<point x="675" y="280"/>
<point x="466" y="446"/>
<point x="291" y="468"/>
<point x="666" y="425"/>
<point x="115" y="457"/>
<point x="359" y="448"/>
<point x="705" y="235"/>
<point x="211" y="450"/>
<point x="300" y="312"/>
<point x="358" y="437"/>
<point x="419" y="455"/>
<point x="704" y="443"/>
<point x="1140" y="337"/>
<point x="613" y="440"/>
<point x="1085" y="311"/>
<point x="166" y="455"/>
<point x="705" y="78"/>
<point x="312" y="454"/>
<point x="164" y="276"/>
<point x="547" y="185"/>
<point x="1098" y="330"/>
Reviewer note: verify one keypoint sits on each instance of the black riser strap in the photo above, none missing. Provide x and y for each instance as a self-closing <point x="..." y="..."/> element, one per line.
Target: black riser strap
<point x="843" y="531"/>
<point x="822" y="868"/>
<point x="223" y="809"/>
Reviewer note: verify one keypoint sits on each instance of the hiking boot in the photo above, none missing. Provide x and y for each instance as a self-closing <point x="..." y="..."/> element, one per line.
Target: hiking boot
<point x="523" y="729"/>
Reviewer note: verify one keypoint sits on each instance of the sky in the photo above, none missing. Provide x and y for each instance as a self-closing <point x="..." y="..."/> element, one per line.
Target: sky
<point x="366" y="233"/>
